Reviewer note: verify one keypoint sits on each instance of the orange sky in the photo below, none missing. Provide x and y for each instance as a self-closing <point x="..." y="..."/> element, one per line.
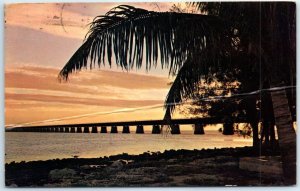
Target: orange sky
<point x="37" y="46"/>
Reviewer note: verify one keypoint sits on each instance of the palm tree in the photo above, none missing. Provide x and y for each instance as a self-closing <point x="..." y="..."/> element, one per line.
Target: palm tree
<point x="195" y="46"/>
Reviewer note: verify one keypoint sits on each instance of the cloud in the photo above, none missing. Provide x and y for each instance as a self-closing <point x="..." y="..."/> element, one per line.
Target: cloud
<point x="81" y="101"/>
<point x="36" y="89"/>
<point x="25" y="76"/>
<point x="46" y="36"/>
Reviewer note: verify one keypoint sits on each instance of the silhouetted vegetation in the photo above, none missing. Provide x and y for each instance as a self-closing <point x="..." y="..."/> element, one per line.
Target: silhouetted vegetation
<point x="252" y="43"/>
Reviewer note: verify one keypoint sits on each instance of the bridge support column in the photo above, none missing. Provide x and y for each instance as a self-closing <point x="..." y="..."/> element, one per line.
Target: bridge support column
<point x="79" y="130"/>
<point x="94" y="129"/>
<point x="103" y="129"/>
<point x="175" y="129"/>
<point x="155" y="129"/>
<point x="67" y="129"/>
<point x="126" y="129"/>
<point x="61" y="129"/>
<point x="139" y="129"/>
<point x="86" y="130"/>
<point x="114" y="129"/>
<point x="72" y="129"/>
<point x="228" y="129"/>
<point x="52" y="129"/>
<point x="56" y="129"/>
<point x="199" y="130"/>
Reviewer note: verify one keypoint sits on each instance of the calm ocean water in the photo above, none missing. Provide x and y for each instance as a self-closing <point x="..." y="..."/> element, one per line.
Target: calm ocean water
<point x="43" y="146"/>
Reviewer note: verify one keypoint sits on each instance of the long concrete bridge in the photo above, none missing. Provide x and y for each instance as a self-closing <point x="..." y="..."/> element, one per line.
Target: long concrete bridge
<point x="198" y="123"/>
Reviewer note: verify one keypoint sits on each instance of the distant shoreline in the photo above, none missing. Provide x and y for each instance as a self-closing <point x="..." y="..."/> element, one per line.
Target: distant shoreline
<point x="206" y="167"/>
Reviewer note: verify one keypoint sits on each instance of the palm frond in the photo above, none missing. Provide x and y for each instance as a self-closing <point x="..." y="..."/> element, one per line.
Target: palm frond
<point x="187" y="80"/>
<point x="131" y="33"/>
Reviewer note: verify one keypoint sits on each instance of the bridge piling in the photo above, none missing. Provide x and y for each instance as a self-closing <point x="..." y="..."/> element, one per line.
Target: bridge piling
<point x="79" y="130"/>
<point x="199" y="130"/>
<point x="72" y="129"/>
<point x="103" y="129"/>
<point x="155" y="129"/>
<point x="86" y="130"/>
<point x="126" y="129"/>
<point x="139" y="129"/>
<point x="61" y="129"/>
<point x="56" y="129"/>
<point x="175" y="129"/>
<point x="228" y="129"/>
<point x="114" y="129"/>
<point x="94" y="129"/>
<point x="67" y="130"/>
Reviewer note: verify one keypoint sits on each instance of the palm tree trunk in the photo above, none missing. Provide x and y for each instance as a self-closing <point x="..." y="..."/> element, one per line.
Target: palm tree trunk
<point x="254" y="126"/>
<point x="286" y="135"/>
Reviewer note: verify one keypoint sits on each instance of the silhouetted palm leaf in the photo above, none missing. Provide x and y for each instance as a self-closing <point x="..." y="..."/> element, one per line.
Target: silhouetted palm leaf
<point x="130" y="33"/>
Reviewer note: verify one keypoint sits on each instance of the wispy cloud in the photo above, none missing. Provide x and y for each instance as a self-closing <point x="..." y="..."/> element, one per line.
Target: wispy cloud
<point x="37" y="89"/>
<point x="45" y="36"/>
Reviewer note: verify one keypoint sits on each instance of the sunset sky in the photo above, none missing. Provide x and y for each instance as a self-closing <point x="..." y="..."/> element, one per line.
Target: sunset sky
<point x="40" y="39"/>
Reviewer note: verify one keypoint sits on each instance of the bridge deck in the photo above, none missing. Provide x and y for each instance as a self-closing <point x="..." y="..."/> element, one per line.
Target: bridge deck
<point x="136" y="123"/>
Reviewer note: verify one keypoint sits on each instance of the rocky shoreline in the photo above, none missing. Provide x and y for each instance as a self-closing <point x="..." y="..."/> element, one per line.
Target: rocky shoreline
<point x="206" y="167"/>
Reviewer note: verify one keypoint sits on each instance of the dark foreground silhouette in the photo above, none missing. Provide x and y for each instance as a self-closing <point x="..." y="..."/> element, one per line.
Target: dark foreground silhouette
<point x="211" y="167"/>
